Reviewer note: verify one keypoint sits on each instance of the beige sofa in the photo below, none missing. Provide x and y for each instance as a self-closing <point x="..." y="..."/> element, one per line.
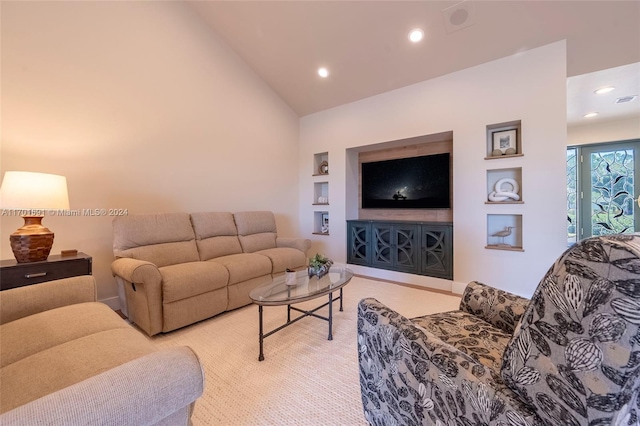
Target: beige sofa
<point x="67" y="359"/>
<point x="179" y="268"/>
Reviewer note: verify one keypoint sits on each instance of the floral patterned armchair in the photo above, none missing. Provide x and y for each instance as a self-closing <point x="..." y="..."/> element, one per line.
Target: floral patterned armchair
<point x="570" y="356"/>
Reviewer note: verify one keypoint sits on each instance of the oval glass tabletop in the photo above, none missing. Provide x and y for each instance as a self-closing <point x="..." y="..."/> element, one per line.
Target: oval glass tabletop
<point x="305" y="287"/>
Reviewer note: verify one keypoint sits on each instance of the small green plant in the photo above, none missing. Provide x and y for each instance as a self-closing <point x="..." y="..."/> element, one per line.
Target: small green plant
<point x="318" y="261"/>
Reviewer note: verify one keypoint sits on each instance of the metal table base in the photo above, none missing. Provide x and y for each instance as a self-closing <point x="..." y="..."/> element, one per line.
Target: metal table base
<point x="304" y="313"/>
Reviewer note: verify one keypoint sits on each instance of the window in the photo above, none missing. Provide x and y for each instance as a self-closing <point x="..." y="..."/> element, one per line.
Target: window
<point x="601" y="190"/>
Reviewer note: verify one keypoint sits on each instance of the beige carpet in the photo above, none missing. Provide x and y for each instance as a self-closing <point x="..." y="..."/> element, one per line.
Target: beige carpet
<point x="305" y="379"/>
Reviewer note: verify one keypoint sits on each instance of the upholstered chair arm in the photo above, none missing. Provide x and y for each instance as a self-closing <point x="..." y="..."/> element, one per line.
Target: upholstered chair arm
<point x="498" y="307"/>
<point x="143" y="289"/>
<point x="302" y="244"/>
<point x="157" y="395"/>
<point x="409" y="376"/>
<point x="21" y="302"/>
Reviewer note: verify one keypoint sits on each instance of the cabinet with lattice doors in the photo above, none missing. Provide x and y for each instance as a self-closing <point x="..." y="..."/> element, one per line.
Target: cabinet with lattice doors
<point x="422" y="248"/>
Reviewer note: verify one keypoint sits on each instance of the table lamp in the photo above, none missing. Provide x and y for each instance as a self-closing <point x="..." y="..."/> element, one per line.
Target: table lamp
<point x="30" y="195"/>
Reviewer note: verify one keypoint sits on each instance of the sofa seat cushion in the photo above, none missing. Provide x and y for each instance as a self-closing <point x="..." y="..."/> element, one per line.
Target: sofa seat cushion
<point x="244" y="266"/>
<point x="191" y="279"/>
<point x="469" y="334"/>
<point x="284" y="257"/>
<point x="54" y="327"/>
<point x="68" y="363"/>
<point x="64" y="346"/>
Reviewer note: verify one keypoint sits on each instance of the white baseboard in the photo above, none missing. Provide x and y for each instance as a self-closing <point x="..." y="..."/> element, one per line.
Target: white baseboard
<point x="112" y="302"/>
<point x="412" y="279"/>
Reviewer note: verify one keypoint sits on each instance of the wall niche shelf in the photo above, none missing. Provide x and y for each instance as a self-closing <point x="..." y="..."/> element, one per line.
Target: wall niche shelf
<point x="320" y="164"/>
<point x="504" y="140"/>
<point x="506" y="181"/>
<point x="504" y="232"/>
<point x="320" y="223"/>
<point x="321" y="193"/>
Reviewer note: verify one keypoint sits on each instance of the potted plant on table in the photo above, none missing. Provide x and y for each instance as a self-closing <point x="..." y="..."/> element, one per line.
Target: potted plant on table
<point x="319" y="265"/>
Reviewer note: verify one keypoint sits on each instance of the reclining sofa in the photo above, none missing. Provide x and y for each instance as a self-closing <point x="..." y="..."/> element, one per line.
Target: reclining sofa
<point x="178" y="268"/>
<point x="570" y="356"/>
<point x="69" y="360"/>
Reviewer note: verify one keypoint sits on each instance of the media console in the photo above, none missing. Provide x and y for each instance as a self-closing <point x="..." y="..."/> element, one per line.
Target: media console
<point x="422" y="248"/>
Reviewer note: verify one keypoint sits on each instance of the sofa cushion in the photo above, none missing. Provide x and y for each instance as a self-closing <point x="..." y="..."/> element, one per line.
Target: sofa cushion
<point x="244" y="266"/>
<point x="468" y="333"/>
<point x="216" y="234"/>
<point x="68" y="363"/>
<point x="284" y="257"/>
<point x="256" y="230"/>
<point x="163" y="239"/>
<point x="190" y="279"/>
<point x="71" y="322"/>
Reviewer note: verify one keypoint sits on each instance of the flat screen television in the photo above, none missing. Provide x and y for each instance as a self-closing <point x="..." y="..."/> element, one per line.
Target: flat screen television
<point x="407" y="183"/>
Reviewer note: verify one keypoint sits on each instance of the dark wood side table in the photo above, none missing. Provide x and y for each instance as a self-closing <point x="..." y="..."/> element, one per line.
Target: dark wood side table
<point x="14" y="274"/>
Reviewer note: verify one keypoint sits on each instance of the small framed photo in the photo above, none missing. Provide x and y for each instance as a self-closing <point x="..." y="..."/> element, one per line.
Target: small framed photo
<point x="325" y="219"/>
<point x="505" y="140"/>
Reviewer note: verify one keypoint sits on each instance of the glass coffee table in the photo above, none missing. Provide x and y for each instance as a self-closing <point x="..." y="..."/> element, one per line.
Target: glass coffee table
<point x="279" y="293"/>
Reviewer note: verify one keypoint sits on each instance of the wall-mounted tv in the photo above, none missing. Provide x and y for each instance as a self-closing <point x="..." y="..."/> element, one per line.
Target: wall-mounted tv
<point x="407" y="183"/>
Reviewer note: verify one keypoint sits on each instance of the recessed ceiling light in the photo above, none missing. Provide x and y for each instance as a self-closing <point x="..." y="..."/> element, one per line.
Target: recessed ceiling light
<point x="603" y="90"/>
<point x="323" y="72"/>
<point x="590" y="115"/>
<point x="416" y="35"/>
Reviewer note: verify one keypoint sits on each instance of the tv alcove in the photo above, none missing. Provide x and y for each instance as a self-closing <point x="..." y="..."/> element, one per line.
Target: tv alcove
<point x="421" y="248"/>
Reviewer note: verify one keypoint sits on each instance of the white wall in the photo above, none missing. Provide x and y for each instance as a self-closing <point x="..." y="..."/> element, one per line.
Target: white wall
<point x="530" y="87"/>
<point x="141" y="107"/>
<point x="608" y="131"/>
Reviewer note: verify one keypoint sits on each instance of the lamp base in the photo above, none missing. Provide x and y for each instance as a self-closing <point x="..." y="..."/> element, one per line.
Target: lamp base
<point x="32" y="242"/>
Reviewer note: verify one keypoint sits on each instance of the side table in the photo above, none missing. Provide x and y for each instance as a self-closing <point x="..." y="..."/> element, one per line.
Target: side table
<point x="14" y="274"/>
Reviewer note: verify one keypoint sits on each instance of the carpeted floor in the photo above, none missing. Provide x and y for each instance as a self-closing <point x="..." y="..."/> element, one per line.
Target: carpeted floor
<point x="305" y="379"/>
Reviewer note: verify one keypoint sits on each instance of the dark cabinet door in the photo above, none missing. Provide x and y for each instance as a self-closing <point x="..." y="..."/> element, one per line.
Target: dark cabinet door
<point x="435" y="253"/>
<point x="395" y="246"/>
<point x="358" y="243"/>
<point x="413" y="247"/>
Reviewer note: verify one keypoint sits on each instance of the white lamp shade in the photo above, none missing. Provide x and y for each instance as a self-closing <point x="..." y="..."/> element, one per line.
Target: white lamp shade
<point x="28" y="190"/>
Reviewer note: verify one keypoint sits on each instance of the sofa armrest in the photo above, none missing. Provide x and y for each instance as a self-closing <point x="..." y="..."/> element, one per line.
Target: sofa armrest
<point x="410" y="376"/>
<point x="302" y="244"/>
<point x="143" y="290"/>
<point x="21" y="302"/>
<point x="498" y="307"/>
<point x="161" y="385"/>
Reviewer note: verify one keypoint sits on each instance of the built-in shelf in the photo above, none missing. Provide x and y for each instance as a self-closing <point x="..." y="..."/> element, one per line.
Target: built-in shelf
<point x="498" y="247"/>
<point x="507" y="181"/>
<point x="504" y="156"/>
<point x="504" y="140"/>
<point x="321" y="193"/>
<point x="504" y="232"/>
<point x="320" y="223"/>
<point x="320" y="164"/>
<point x="504" y="202"/>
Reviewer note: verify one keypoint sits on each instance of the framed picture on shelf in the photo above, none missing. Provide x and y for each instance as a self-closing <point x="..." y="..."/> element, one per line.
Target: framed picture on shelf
<point x="505" y="140"/>
<point x="325" y="223"/>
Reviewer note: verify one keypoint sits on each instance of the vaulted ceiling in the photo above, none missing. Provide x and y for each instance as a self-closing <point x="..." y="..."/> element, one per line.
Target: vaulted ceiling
<point x="365" y="47"/>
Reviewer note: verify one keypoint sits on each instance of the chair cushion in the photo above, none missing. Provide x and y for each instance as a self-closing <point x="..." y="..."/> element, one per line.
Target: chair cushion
<point x="284" y="257"/>
<point x="244" y="266"/>
<point x="574" y="356"/>
<point x="256" y="230"/>
<point x="468" y="333"/>
<point x="190" y="279"/>
<point x="216" y="234"/>
<point x="63" y="346"/>
<point x="163" y="239"/>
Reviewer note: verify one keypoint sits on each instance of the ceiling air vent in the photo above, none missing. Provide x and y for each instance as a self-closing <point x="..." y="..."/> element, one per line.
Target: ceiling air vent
<point x="625" y="99"/>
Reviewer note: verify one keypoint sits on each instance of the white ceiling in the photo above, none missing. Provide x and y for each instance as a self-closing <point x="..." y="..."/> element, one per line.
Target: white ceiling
<point x="365" y="47"/>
